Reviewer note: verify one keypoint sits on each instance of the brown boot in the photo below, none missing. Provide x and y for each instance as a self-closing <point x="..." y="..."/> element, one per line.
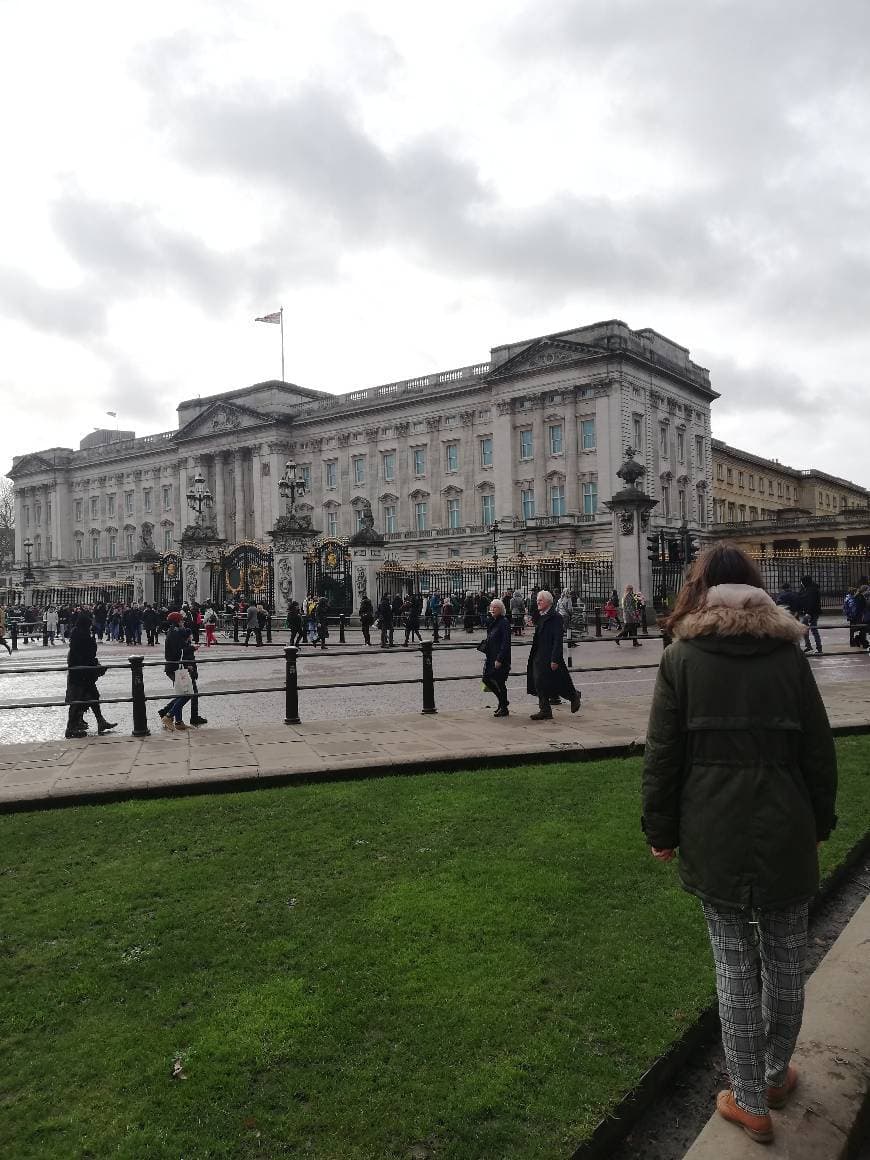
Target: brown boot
<point x="777" y="1097"/>
<point x="758" y="1128"/>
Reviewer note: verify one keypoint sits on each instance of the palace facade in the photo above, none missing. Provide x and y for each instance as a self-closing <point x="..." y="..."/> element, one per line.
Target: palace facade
<point x="532" y="438"/>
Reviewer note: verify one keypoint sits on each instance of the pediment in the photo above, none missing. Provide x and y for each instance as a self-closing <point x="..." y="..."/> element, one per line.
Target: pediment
<point x="543" y="355"/>
<point x="30" y="465"/>
<point x="220" y="418"/>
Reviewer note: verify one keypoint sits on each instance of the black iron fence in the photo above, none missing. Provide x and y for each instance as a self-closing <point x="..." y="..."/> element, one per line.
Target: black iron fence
<point x="834" y="572"/>
<point x="591" y="579"/>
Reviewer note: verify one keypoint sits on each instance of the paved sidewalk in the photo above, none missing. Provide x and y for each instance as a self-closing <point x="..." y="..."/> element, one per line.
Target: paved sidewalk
<point x="118" y="765"/>
<point x="833" y="1062"/>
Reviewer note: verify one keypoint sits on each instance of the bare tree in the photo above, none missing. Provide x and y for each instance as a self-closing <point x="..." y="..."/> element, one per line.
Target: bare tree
<point x="7" y="503"/>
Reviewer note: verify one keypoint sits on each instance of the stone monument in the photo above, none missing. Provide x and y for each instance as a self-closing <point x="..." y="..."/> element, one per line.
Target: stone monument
<point x="631" y="509"/>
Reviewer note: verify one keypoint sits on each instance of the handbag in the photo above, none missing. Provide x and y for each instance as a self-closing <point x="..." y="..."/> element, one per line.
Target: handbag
<point x="183" y="683"/>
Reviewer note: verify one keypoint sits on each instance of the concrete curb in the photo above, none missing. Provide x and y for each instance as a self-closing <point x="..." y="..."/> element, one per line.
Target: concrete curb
<point x="826" y="1115"/>
<point x="612" y="1131"/>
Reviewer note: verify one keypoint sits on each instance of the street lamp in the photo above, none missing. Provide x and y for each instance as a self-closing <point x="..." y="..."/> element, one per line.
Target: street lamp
<point x="495" y="529"/>
<point x="290" y="487"/>
<point x="199" y="497"/>
<point x="28" y="571"/>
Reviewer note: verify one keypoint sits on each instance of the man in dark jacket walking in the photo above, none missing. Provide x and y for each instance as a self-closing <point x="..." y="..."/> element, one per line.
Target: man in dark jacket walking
<point x="497" y="649"/>
<point x="385" y="621"/>
<point x="811" y="607"/>
<point x="547" y="674"/>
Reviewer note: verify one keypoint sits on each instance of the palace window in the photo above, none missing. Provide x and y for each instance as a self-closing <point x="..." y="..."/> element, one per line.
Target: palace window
<point x="95" y="547"/>
<point x="681" y="501"/>
<point x="487" y="509"/>
<point x="527" y="447"/>
<point x="38" y="512"/>
<point x="720" y="472"/>
<point x="699" y="450"/>
<point x="389" y="518"/>
<point x="637" y="428"/>
<point x="486" y="451"/>
<point x="788" y="491"/>
<point x="557" y="499"/>
<point x="751" y="482"/>
<point x="527" y="496"/>
<point x="128" y="503"/>
<point x="753" y="513"/>
<point x="779" y="488"/>
<point x="555" y="435"/>
<point x="420" y="513"/>
<point x="359" y="469"/>
<point x="663" y="440"/>
<point x="732" y="513"/>
<point x="80" y="549"/>
<point x="702" y="508"/>
<point x="113" y="547"/>
<point x="419" y="460"/>
<point x="331" y="473"/>
<point x="587" y="434"/>
<point x="360" y="515"/>
<point x="110" y="505"/>
<point x="305" y="474"/>
<point x="95" y="507"/>
<point x="451" y="457"/>
<point x="740" y="479"/>
<point x="129" y="543"/>
<point x="590" y="499"/>
<point x="741" y="512"/>
<point x="167" y="539"/>
<point x="167" y="497"/>
<point x="146" y="499"/>
<point x="666" y="499"/>
<point x="770" y="487"/>
<point x="37" y="548"/>
<point x="681" y="446"/>
<point x="453" y="513"/>
<point x="388" y="465"/>
<point x="729" y="476"/>
<point x="332" y="523"/>
<point x="78" y="510"/>
<point x="49" y="549"/>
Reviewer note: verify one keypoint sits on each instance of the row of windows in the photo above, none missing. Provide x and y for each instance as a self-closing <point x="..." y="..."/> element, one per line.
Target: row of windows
<point x="97" y="549"/>
<point x="665" y="441"/>
<point x="726" y="475"/>
<point x="147" y="504"/>
<point x="682" y="510"/>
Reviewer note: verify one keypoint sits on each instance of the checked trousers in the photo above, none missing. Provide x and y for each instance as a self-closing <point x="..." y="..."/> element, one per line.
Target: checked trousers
<point x="759" y="958"/>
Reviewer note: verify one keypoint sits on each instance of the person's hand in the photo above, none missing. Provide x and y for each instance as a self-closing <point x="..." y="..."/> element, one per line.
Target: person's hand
<point x="554" y="666"/>
<point x="664" y="855"/>
<point x="498" y="664"/>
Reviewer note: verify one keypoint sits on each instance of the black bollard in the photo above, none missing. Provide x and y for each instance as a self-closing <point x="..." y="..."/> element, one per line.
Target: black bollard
<point x="341" y="628"/>
<point x="15" y="636"/>
<point x="44" y="634"/>
<point x="598" y="622"/>
<point x="140" y="708"/>
<point x="269" y="628"/>
<point x="291" y="685"/>
<point x="235" y="628"/>
<point x="428" y="678"/>
<point x="570" y="643"/>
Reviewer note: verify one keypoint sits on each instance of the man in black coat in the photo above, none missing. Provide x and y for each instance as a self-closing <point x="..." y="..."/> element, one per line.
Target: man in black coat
<point x="811" y="607"/>
<point x="385" y="621"/>
<point x="547" y="673"/>
<point x="497" y="648"/>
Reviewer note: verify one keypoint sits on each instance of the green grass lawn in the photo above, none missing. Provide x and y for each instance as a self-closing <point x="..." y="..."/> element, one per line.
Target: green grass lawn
<point x="453" y="965"/>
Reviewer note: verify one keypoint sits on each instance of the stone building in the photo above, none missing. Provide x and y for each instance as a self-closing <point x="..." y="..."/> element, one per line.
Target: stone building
<point x="748" y="488"/>
<point x="531" y="438"/>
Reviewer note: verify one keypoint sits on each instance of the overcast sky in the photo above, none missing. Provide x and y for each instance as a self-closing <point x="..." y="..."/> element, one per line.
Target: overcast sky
<point x="416" y="184"/>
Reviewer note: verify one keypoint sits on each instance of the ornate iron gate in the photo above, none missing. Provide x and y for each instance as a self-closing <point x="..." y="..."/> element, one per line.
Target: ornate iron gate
<point x="168" y="581"/>
<point x="328" y="573"/>
<point x="246" y="572"/>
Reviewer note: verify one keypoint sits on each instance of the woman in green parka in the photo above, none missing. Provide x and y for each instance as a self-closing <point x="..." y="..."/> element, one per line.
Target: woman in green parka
<point x="740" y="779"/>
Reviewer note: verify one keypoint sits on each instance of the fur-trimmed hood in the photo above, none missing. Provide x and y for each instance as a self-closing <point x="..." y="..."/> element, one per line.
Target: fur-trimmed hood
<point x="732" y="610"/>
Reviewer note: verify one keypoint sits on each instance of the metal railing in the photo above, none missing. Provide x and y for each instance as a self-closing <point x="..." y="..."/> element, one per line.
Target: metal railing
<point x="136" y="665"/>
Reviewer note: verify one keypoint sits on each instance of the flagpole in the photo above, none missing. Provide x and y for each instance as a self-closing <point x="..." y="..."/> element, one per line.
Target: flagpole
<point x="282" y="343"/>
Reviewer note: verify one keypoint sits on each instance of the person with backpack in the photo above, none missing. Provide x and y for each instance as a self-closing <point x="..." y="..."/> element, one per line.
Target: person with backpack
<point x="630" y="617"/>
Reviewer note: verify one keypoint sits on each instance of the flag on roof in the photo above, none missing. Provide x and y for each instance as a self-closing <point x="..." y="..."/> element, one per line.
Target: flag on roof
<point x="276" y="318"/>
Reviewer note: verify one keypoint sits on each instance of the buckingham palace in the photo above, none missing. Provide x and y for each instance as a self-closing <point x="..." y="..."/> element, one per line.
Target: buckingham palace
<point x="531" y="438"/>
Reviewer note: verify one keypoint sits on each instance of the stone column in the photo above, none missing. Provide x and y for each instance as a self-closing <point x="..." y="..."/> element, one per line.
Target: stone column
<point x="20" y="535"/>
<point x="256" y="504"/>
<point x="61" y="519"/>
<point x="572" y="456"/>
<point x="503" y="457"/>
<point x="404" y="484"/>
<point x="238" y="495"/>
<point x="434" y="472"/>
<point x="181" y="508"/>
<point x="365" y="562"/>
<point x="539" y="448"/>
<point x="220" y="512"/>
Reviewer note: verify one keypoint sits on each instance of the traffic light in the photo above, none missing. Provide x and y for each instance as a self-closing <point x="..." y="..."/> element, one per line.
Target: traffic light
<point x="675" y="552"/>
<point x="654" y="547"/>
<point x="691" y="548"/>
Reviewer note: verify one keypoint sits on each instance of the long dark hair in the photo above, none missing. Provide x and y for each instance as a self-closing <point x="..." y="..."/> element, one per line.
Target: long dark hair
<point x="722" y="563"/>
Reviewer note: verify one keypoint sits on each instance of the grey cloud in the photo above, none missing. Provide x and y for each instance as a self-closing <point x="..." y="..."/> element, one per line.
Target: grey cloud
<point x="764" y="387"/>
<point x="70" y="313"/>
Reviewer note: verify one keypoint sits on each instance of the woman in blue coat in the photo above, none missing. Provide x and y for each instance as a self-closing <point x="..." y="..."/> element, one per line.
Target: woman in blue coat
<point x="497" y="649"/>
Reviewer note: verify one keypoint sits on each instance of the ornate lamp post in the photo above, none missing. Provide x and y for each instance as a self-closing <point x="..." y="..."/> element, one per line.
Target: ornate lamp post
<point x="29" y="578"/>
<point x="290" y="487"/>
<point x="199" y="497"/>
<point x="494" y="531"/>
